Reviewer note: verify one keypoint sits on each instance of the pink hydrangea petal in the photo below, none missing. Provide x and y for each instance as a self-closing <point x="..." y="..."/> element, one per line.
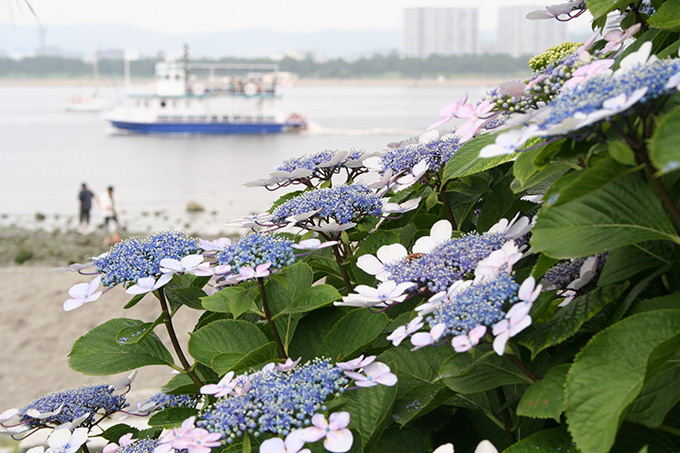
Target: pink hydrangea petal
<point x="499" y="343"/>
<point x="273" y="445"/>
<point x="312" y="434"/>
<point x="391" y="253"/>
<point x="338" y="420"/>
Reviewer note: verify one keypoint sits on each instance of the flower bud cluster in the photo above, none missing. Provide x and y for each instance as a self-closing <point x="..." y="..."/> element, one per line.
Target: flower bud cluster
<point x="448" y="262"/>
<point x="67" y="405"/>
<point x="257" y="248"/>
<point x="342" y="204"/>
<point x="482" y="304"/>
<point x="274" y="401"/>
<point x="436" y="152"/>
<point x="137" y="258"/>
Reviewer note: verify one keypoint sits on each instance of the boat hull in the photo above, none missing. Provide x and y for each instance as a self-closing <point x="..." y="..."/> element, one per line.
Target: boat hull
<point x="204" y="128"/>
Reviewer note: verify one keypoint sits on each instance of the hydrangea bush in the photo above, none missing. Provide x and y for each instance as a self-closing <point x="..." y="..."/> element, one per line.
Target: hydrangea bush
<point x="510" y="284"/>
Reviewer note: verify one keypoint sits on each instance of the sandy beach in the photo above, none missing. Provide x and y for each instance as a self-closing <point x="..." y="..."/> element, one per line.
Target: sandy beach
<point x="36" y="334"/>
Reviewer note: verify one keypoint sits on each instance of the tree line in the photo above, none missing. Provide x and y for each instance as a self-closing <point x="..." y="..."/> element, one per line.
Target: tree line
<point x="377" y="66"/>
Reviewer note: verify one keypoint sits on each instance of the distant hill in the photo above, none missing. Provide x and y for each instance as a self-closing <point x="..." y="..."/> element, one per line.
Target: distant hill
<point x="83" y="39"/>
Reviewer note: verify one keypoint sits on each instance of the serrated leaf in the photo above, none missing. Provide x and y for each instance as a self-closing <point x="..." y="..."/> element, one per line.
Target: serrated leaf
<point x="467" y="162"/>
<point x="171" y="417"/>
<point x="524" y="167"/>
<point x="669" y="301"/>
<point x="621" y="152"/>
<point x="620" y="213"/>
<point x="480" y="370"/>
<point x="555" y="439"/>
<point x="419" y="401"/>
<point x="370" y="410"/>
<point x="312" y="331"/>
<point x="545" y="397"/>
<point x="609" y="373"/>
<point x="663" y="146"/>
<point x="226" y="336"/>
<point x="235" y="300"/>
<point x="224" y="363"/>
<point x="98" y="353"/>
<point x="353" y="332"/>
<point x="311" y="299"/>
<point x="568" y="320"/>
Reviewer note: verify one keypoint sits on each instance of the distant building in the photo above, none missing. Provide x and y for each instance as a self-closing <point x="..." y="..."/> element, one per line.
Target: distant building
<point x="518" y="35"/>
<point x="440" y="31"/>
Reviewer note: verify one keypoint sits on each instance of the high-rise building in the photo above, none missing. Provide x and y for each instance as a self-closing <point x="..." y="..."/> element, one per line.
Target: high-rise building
<point x="440" y="31"/>
<point x="518" y="35"/>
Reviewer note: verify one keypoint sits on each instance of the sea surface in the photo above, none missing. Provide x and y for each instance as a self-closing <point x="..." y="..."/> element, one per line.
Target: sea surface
<point x="47" y="152"/>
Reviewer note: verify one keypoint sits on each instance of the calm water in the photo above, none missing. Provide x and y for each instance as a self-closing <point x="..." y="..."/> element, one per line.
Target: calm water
<point x="46" y="153"/>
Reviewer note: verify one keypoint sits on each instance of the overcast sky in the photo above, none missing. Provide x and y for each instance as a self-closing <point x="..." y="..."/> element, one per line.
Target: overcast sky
<point x="188" y="16"/>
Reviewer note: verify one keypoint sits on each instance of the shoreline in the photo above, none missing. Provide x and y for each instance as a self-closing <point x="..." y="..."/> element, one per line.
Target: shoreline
<point x="468" y="81"/>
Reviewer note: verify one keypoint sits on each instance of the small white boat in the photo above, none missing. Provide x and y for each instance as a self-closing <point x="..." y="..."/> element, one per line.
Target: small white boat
<point x="233" y="99"/>
<point x="89" y="103"/>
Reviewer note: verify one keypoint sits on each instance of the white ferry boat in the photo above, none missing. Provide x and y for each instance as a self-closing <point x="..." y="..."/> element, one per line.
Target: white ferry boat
<point x="234" y="99"/>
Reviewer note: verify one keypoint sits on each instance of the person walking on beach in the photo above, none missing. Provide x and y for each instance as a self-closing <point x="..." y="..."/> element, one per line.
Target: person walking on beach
<point x="85" y="196"/>
<point x="110" y="217"/>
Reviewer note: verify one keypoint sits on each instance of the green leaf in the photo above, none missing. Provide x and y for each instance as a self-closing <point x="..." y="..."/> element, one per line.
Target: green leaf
<point x="352" y="333"/>
<point x="223" y="363"/>
<point x="235" y="300"/>
<point x="599" y="8"/>
<point x="480" y="370"/>
<point x="171" y="417"/>
<point x="669" y="301"/>
<point x="134" y="301"/>
<point x="190" y="297"/>
<point x="622" y="212"/>
<point x="667" y="17"/>
<point x="555" y="439"/>
<point x="585" y="182"/>
<point x="132" y="335"/>
<point x="621" y="152"/>
<point x="401" y="439"/>
<point x="663" y="146"/>
<point x="568" y="320"/>
<point x="312" y="331"/>
<point x="524" y="167"/>
<point x="117" y="431"/>
<point x="609" y="373"/>
<point x="312" y="298"/>
<point x="226" y="336"/>
<point x="467" y="162"/>
<point x="415" y="368"/>
<point x="545" y="397"/>
<point x="658" y="396"/>
<point x="98" y="353"/>
<point x="419" y="401"/>
<point x="630" y="261"/>
<point x="370" y="409"/>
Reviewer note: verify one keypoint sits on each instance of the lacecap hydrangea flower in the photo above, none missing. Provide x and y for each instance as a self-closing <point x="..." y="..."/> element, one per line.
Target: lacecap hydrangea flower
<point x="136" y="258"/>
<point x="340" y="204"/>
<point x="258" y="249"/>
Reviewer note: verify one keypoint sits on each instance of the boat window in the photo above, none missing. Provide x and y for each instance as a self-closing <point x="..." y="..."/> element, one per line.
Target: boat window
<point x="167" y="76"/>
<point x="191" y="118"/>
<point x="163" y="103"/>
<point x="215" y="119"/>
<point x="201" y="118"/>
<point x="177" y="76"/>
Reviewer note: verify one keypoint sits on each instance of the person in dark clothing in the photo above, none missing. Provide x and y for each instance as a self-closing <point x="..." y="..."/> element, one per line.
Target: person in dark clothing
<point x="85" y="196"/>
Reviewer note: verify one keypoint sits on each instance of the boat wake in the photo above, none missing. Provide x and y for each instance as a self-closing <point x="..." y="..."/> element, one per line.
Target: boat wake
<point x="317" y="129"/>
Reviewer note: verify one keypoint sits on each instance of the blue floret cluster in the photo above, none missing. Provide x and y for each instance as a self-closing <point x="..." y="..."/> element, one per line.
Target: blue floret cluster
<point x="139" y="446"/>
<point x="164" y="400"/>
<point x="436" y="152"/>
<point x="312" y="161"/>
<point x="137" y="258"/>
<point x="91" y="400"/>
<point x="256" y="249"/>
<point x="448" y="262"/>
<point x="275" y="402"/>
<point x="343" y="204"/>
<point x="482" y="304"/>
<point x="589" y="96"/>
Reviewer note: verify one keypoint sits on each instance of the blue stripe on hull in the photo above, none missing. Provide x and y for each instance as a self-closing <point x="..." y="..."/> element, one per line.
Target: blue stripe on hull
<point x="200" y="128"/>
